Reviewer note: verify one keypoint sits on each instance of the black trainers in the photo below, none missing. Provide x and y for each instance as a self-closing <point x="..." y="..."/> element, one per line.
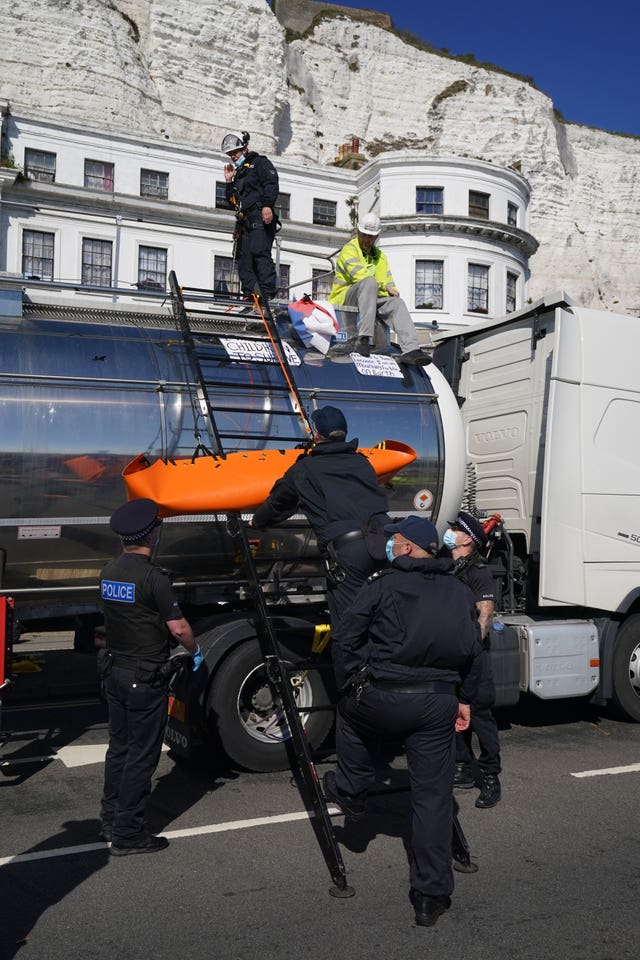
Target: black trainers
<point x="415" y="358"/>
<point x="363" y="346"/>
<point x="147" y="844"/>
<point x="490" y="791"/>
<point x="428" y="909"/>
<point x="105" y="833"/>
<point x="463" y="779"/>
<point x="351" y="806"/>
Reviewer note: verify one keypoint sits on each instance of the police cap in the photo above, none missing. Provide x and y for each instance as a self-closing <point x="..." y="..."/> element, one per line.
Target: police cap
<point x="135" y="520"/>
<point x="417" y="529"/>
<point x="327" y="420"/>
<point x="472" y="527"/>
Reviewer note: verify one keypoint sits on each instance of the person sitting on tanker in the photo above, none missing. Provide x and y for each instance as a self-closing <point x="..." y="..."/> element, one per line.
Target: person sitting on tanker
<point x="141" y="615"/>
<point x="337" y="488"/>
<point x="406" y="658"/>
<point x="363" y="279"/>
<point x="252" y="190"/>
<point x="466" y="541"/>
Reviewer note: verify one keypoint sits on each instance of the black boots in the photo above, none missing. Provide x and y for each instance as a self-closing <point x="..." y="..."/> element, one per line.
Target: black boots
<point x="463" y="778"/>
<point x="351" y="806"/>
<point x="428" y="909"/>
<point x="490" y="791"/>
<point x="146" y="843"/>
<point x="415" y="358"/>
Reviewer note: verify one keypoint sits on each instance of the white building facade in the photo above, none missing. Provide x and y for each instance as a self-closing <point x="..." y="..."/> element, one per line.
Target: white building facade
<point x="106" y="214"/>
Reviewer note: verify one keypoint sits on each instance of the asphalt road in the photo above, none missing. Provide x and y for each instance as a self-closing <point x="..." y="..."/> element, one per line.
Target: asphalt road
<point x="243" y="878"/>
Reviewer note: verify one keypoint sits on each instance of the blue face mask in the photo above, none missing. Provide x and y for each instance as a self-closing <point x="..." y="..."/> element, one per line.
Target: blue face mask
<point x="239" y="161"/>
<point x="389" y="549"/>
<point x="449" y="539"/>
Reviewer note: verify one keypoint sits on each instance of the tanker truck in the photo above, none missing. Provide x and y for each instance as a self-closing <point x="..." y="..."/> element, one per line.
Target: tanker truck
<point x="83" y="391"/>
<point x="534" y="414"/>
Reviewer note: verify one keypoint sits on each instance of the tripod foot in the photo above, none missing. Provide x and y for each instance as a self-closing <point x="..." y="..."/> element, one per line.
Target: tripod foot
<point x="465" y="866"/>
<point x="342" y="892"/>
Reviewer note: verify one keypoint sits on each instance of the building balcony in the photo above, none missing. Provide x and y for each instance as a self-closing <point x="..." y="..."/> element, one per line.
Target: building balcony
<point x="490" y="230"/>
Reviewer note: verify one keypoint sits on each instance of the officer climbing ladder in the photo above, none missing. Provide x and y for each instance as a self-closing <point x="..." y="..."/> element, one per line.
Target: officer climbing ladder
<point x="205" y="423"/>
<point x="275" y="668"/>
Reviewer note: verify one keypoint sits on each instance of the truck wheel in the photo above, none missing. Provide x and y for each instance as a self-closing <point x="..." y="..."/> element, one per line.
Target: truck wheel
<point x="248" y="717"/>
<point x="626" y="669"/>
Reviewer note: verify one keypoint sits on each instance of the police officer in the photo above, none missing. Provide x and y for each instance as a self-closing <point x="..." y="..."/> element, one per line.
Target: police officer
<point x="465" y="538"/>
<point x="407" y="656"/>
<point x="338" y="490"/>
<point x="252" y="190"/>
<point x="141" y="615"/>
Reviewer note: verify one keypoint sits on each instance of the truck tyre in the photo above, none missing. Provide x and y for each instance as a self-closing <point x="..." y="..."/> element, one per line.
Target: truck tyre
<point x="247" y="716"/>
<point x="626" y="669"/>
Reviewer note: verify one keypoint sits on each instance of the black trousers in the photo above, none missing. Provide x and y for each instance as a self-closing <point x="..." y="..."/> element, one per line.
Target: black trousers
<point x="256" y="269"/>
<point x="483" y="724"/>
<point x="357" y="564"/>
<point x="137" y="721"/>
<point x="424" y="722"/>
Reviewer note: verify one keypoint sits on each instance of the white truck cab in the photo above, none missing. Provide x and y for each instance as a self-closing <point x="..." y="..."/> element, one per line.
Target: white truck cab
<point x="550" y="401"/>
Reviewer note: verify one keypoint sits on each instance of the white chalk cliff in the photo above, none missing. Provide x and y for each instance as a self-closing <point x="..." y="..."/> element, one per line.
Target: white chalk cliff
<point x="191" y="69"/>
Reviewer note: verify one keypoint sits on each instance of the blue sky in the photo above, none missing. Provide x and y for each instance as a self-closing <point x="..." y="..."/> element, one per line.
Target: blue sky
<point x="585" y="56"/>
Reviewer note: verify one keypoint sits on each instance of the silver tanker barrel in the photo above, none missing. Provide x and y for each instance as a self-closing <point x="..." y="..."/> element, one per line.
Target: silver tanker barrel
<point x="83" y="392"/>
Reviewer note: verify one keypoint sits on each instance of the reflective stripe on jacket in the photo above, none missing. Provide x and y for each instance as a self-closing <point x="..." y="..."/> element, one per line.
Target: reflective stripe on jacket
<point x="354" y="265"/>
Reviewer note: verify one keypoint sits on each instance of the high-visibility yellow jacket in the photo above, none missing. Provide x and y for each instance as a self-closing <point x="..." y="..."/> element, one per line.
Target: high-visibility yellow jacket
<point x="354" y="264"/>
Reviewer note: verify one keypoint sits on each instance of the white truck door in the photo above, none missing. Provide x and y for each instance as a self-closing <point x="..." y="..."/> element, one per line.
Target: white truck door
<point x="590" y="518"/>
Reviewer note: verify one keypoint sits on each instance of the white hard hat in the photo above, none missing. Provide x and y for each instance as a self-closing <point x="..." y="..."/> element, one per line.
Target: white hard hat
<point x="234" y="141"/>
<point x="370" y="224"/>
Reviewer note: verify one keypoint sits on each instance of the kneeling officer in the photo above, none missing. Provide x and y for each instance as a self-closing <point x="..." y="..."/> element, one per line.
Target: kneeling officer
<point x="407" y="654"/>
<point x="141" y="615"/>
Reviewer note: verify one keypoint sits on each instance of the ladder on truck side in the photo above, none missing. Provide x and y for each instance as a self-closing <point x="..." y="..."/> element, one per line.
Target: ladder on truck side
<point x="299" y="749"/>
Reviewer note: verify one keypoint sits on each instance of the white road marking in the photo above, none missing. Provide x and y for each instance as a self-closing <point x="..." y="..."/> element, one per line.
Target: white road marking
<point x="608" y="771"/>
<point x="73" y="755"/>
<point x="170" y="834"/>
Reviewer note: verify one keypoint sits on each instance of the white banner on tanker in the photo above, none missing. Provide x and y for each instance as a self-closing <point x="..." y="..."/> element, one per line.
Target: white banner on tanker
<point x="257" y="351"/>
<point x="376" y="366"/>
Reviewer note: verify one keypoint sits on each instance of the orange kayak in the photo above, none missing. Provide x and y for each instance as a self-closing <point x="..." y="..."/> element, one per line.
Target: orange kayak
<point x="240" y="481"/>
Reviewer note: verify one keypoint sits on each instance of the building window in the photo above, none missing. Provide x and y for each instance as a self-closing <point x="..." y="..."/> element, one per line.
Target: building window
<point x="324" y="212"/>
<point x="321" y="283"/>
<point x="284" y="280"/>
<point x="429" y="284"/>
<point x="512" y="290"/>
<point x="225" y="278"/>
<point x="37" y="255"/>
<point x="40" y="165"/>
<point x="429" y="200"/>
<point x="98" y="175"/>
<point x="478" y="205"/>
<point x="283" y="206"/>
<point x="221" y="196"/>
<point x="478" y="288"/>
<point x="512" y="215"/>
<point x="96" y="262"/>
<point x="152" y="268"/>
<point x="154" y="183"/>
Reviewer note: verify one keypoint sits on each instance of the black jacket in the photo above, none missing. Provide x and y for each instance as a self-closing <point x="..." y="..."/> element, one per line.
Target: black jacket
<point x="473" y="571"/>
<point x="254" y="186"/>
<point x="334" y="485"/>
<point x="411" y="622"/>
<point x="137" y="599"/>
